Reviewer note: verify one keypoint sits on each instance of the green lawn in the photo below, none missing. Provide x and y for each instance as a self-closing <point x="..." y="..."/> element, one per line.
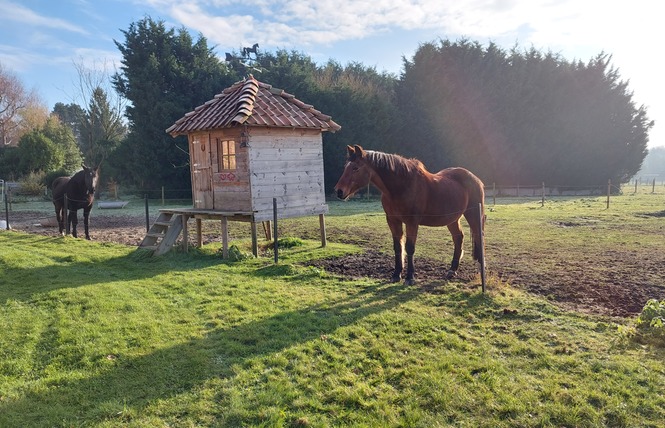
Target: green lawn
<point x="101" y="335"/>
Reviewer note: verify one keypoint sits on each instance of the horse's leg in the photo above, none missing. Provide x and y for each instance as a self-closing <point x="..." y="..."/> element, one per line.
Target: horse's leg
<point x="476" y="227"/>
<point x="73" y="221"/>
<point x="458" y="238"/>
<point x="59" y="217"/>
<point x="398" y="232"/>
<point x="411" y="236"/>
<point x="86" y="215"/>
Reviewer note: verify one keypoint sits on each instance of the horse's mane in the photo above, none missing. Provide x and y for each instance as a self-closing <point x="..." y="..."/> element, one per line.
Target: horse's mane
<point x="394" y="163"/>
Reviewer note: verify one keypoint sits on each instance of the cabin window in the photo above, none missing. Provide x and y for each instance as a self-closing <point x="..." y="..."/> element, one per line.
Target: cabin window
<point x="226" y="154"/>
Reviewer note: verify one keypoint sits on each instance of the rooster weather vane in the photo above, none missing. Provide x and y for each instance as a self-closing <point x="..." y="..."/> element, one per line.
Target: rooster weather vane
<point x="246" y="59"/>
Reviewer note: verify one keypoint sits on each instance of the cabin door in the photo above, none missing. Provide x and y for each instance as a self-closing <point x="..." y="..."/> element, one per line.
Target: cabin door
<point x="201" y="172"/>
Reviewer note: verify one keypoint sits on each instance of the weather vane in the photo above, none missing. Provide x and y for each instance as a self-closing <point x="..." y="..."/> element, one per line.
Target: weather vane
<point x="246" y="59"/>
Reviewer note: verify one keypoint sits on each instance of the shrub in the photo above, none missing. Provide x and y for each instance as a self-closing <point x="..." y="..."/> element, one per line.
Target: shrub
<point x="289" y="242"/>
<point x="51" y="176"/>
<point x="651" y="322"/>
<point x="32" y="184"/>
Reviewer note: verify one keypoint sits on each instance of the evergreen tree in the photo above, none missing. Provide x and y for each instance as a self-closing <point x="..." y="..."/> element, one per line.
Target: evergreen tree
<point x="71" y="115"/>
<point x="37" y="152"/>
<point x="521" y="117"/>
<point x="101" y="127"/>
<point x="164" y="75"/>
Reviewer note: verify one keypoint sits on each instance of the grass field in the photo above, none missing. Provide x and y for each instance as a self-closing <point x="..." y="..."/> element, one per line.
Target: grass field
<point x="100" y="335"/>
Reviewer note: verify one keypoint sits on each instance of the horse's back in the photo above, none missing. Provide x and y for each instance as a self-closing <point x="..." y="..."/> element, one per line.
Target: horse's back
<point x="59" y="185"/>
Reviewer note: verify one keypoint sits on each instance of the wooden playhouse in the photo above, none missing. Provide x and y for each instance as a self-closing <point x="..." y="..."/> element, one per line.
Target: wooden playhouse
<point x="252" y="148"/>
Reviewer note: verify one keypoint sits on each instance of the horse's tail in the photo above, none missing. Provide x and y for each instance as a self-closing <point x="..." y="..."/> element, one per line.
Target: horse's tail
<point x="475" y="211"/>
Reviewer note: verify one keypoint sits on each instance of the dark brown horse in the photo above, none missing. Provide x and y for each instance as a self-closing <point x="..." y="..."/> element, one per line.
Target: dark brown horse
<point x="80" y="192"/>
<point x="412" y="196"/>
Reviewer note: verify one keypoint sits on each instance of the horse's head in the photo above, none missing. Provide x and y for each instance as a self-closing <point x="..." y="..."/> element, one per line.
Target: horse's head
<point x="91" y="176"/>
<point x="356" y="175"/>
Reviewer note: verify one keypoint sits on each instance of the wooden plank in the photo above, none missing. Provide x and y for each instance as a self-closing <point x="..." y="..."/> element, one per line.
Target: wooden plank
<point x="170" y="236"/>
<point x="287" y="177"/>
<point x="233" y="201"/>
<point x="292" y="212"/>
<point x="286" y="153"/>
<point x="285" y="139"/>
<point x="278" y="190"/>
<point x="285" y="165"/>
<point x="293" y="200"/>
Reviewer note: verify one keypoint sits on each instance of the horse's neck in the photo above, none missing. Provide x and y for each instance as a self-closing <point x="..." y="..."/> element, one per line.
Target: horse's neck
<point x="78" y="186"/>
<point x="388" y="182"/>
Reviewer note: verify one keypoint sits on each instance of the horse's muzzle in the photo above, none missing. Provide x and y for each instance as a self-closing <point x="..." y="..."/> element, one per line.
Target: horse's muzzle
<point x="340" y="194"/>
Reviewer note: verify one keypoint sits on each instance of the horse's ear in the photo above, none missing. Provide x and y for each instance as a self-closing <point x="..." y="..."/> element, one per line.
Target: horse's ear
<point x="360" y="153"/>
<point x="351" y="152"/>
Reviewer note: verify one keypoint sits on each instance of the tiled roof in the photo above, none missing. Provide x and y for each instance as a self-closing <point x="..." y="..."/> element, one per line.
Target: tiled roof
<point x="252" y="103"/>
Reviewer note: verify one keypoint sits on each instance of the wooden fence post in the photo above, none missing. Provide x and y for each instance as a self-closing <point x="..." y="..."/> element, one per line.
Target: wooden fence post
<point x="274" y="219"/>
<point x="6" y="199"/>
<point x="494" y="193"/>
<point x="482" y="245"/>
<point x="65" y="213"/>
<point x="147" y="214"/>
<point x="609" y="189"/>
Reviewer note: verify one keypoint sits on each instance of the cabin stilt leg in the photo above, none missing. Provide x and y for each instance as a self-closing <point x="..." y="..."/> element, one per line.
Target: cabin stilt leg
<point x="255" y="245"/>
<point x="185" y="233"/>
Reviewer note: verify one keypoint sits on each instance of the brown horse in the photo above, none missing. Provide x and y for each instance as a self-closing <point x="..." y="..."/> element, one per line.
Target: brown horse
<point x="80" y="192"/>
<point x="412" y="196"/>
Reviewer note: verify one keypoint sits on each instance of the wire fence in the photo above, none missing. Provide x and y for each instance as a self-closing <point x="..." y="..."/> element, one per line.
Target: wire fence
<point x="19" y="206"/>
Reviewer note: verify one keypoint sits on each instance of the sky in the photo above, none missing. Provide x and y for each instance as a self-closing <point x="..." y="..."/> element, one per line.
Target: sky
<point x="43" y="41"/>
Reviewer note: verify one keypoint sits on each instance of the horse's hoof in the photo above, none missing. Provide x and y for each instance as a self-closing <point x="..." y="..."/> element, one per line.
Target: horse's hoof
<point x="451" y="274"/>
<point x="409" y="281"/>
<point x="395" y="278"/>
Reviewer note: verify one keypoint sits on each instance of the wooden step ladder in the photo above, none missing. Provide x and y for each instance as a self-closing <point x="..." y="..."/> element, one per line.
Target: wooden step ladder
<point x="163" y="233"/>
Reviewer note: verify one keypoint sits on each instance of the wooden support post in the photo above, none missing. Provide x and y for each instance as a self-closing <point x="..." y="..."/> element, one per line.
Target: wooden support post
<point x="147" y="214"/>
<point x="609" y="190"/>
<point x="65" y="213"/>
<point x="225" y="237"/>
<point x="482" y="245"/>
<point x="255" y="245"/>
<point x="322" y="226"/>
<point x="274" y="219"/>
<point x="185" y="233"/>
<point x="493" y="193"/>
<point x="267" y="230"/>
<point x="199" y="233"/>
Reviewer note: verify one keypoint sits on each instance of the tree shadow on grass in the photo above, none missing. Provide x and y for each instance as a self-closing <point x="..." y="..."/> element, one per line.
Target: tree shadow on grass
<point x="70" y="266"/>
<point x="137" y="382"/>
